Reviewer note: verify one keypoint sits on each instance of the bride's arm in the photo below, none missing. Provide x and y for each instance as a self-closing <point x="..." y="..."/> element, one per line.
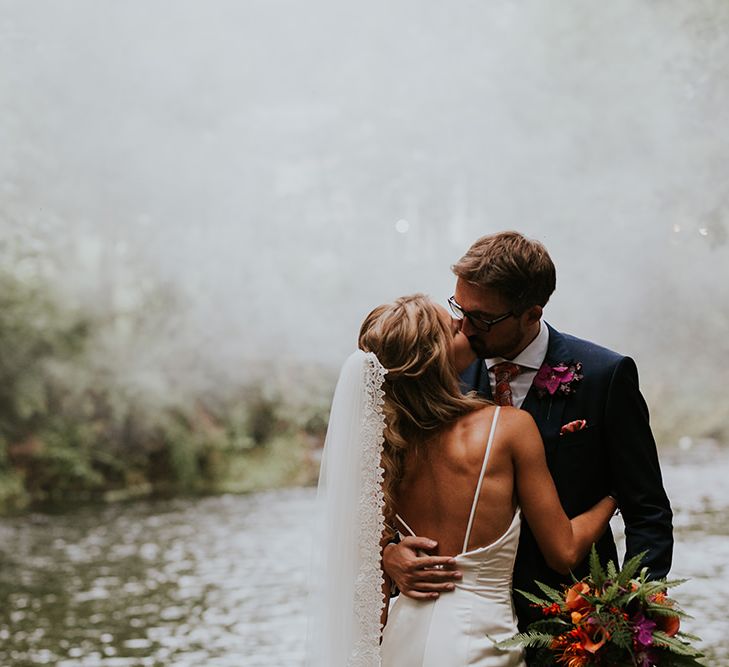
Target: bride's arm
<point x="563" y="542"/>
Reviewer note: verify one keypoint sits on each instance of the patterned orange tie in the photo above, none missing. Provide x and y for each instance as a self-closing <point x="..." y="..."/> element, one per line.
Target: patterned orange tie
<point x="504" y="372"/>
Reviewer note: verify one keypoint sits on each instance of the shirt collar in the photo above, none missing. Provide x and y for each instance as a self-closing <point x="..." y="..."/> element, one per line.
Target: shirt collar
<point x="532" y="356"/>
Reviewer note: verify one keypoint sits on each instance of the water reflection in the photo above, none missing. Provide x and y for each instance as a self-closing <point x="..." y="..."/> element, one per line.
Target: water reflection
<point x="222" y="581"/>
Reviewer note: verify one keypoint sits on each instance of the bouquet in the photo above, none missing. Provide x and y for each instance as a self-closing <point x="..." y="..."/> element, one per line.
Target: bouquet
<point x="611" y="618"/>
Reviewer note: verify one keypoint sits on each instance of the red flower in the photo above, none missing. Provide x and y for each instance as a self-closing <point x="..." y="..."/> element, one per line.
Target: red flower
<point x="552" y="610"/>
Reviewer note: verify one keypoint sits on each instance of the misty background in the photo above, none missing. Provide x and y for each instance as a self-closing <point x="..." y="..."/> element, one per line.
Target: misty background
<point x="201" y="200"/>
<point x="232" y="186"/>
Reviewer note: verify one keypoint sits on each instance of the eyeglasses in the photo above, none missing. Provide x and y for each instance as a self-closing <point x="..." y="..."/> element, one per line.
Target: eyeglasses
<point x="477" y="321"/>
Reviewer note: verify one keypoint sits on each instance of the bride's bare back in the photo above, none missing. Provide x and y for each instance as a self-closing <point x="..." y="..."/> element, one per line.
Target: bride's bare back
<point x="440" y="480"/>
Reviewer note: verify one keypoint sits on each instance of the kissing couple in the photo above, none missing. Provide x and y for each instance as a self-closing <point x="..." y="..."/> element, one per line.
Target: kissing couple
<point x="470" y="454"/>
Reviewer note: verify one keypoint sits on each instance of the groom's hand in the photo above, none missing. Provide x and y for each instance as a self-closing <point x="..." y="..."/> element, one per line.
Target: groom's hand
<point x="419" y="576"/>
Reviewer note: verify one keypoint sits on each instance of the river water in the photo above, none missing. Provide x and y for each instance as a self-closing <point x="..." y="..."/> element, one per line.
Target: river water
<point x="222" y="581"/>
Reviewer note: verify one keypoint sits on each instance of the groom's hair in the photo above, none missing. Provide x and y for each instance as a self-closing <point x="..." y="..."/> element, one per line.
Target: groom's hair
<point x="517" y="267"/>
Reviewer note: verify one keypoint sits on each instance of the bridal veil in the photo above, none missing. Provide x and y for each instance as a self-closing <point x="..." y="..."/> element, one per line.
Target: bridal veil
<point x="346" y="580"/>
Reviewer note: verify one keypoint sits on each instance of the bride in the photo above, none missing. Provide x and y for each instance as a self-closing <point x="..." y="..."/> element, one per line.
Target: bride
<point x="407" y="451"/>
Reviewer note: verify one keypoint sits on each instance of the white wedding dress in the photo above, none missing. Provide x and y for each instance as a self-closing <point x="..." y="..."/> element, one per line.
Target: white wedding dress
<point x="459" y="628"/>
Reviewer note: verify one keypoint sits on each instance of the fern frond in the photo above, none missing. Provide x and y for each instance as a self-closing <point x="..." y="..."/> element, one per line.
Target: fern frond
<point x="688" y="635"/>
<point x="662" y="610"/>
<point x="612" y="592"/>
<point x="622" y="638"/>
<point x="597" y="574"/>
<point x="554" y="625"/>
<point x="550" y="592"/>
<point x="534" y="599"/>
<point x="630" y="568"/>
<point x="674" y="645"/>
<point x="529" y="639"/>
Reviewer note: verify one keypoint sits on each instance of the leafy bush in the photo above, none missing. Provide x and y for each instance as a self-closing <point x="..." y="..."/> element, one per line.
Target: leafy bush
<point x="71" y="431"/>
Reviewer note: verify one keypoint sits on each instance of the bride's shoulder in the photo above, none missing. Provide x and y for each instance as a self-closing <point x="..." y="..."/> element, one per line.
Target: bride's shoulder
<point x="511" y="415"/>
<point x="511" y="421"/>
<point x="508" y="415"/>
<point x="514" y="420"/>
<point x="477" y="417"/>
<point x="472" y="431"/>
<point x="477" y="424"/>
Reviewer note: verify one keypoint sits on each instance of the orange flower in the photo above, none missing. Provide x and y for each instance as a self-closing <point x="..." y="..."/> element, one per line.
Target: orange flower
<point x="571" y="653"/>
<point x="668" y="624"/>
<point x="599" y="637"/>
<point x="576" y="617"/>
<point x="574" y="599"/>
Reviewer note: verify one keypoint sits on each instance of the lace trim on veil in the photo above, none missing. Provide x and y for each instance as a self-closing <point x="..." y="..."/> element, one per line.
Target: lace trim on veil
<point x="368" y="599"/>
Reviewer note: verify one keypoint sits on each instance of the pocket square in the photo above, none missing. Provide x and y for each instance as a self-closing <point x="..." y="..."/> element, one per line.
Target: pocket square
<point x="574" y="426"/>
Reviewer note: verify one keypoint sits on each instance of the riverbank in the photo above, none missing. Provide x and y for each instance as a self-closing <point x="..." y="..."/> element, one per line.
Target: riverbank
<point x="288" y="460"/>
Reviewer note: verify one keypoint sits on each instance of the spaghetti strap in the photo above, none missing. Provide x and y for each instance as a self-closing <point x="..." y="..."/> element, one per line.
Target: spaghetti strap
<point x="405" y="526"/>
<point x="480" y="481"/>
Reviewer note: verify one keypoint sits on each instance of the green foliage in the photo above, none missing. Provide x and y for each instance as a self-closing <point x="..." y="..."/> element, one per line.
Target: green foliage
<point x="263" y="422"/>
<point x="630" y="568"/>
<point x="13" y="496"/>
<point x="676" y="645"/>
<point x="34" y="332"/>
<point x="597" y="574"/>
<point x="60" y="467"/>
<point x="315" y="423"/>
<point x="551" y="593"/>
<point x="534" y="599"/>
<point x="622" y="637"/>
<point x="196" y="447"/>
<point x="71" y="431"/>
<point x="531" y="639"/>
<point x="184" y="448"/>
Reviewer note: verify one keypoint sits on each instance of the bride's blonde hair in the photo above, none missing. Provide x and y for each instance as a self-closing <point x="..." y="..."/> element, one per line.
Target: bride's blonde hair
<point x="422" y="390"/>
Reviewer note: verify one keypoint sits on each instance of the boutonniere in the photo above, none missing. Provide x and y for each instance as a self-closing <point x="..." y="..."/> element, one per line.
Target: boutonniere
<point x="560" y="378"/>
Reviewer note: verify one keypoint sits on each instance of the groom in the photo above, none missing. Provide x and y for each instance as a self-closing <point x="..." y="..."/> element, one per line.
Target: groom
<point x="585" y="400"/>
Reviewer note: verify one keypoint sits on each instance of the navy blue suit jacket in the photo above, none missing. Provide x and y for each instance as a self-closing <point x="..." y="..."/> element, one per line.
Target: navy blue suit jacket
<point x="616" y="453"/>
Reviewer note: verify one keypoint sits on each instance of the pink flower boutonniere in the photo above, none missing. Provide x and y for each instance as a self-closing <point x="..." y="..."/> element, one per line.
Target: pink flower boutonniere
<point x="562" y="378"/>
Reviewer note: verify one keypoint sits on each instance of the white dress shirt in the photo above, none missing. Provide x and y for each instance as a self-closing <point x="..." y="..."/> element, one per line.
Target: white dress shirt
<point x="531" y="358"/>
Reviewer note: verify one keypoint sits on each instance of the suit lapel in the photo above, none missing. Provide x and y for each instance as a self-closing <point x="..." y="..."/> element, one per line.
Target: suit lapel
<point x="476" y="377"/>
<point x="484" y="385"/>
<point x="548" y="410"/>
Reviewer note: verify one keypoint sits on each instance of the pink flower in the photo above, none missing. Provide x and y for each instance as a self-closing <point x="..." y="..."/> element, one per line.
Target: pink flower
<point x="560" y="377"/>
<point x="643" y="631"/>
